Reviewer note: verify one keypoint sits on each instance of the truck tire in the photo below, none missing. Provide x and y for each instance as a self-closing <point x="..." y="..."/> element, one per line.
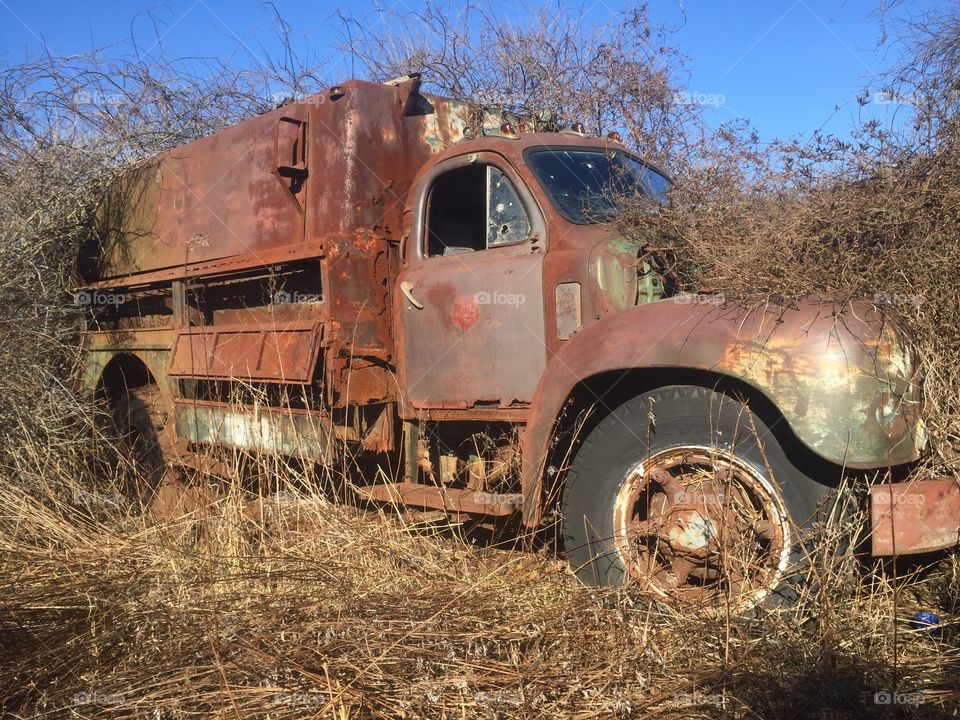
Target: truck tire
<point x="685" y="493"/>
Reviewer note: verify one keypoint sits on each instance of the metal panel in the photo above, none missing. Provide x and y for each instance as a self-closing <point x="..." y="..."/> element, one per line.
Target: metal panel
<point x="479" y="337"/>
<point x="280" y="354"/>
<point x="842" y="375"/>
<point x="916" y="517"/>
<point x="569" y="312"/>
<point x="472" y="324"/>
<point x="216" y="197"/>
<point x="216" y="268"/>
<point x="258" y="429"/>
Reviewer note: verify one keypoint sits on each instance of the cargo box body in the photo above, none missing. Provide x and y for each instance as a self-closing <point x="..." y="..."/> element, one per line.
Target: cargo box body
<point x="336" y="163"/>
<point x="285" y="224"/>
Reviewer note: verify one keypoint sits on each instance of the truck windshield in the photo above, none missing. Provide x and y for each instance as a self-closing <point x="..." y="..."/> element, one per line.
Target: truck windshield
<point x="592" y="186"/>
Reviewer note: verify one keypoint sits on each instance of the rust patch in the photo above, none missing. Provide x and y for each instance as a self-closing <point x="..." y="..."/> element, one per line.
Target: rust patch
<point x="365" y="240"/>
<point x="916" y="517"/>
<point x="465" y="312"/>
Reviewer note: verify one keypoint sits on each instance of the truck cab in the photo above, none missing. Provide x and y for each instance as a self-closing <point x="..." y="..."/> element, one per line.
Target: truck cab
<point x="510" y="248"/>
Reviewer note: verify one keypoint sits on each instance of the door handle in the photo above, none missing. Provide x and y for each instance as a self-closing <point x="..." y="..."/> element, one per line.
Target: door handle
<point x="406" y="287"/>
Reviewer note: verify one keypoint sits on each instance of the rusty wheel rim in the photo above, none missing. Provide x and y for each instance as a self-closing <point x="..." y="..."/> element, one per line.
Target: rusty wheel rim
<point x="698" y="526"/>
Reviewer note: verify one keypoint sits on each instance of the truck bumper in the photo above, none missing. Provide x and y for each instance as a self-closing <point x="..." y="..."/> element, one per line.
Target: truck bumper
<point x="915" y="517"/>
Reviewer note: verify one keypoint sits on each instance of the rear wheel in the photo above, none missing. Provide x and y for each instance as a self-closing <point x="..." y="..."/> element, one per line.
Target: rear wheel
<point x="142" y="419"/>
<point x="686" y="494"/>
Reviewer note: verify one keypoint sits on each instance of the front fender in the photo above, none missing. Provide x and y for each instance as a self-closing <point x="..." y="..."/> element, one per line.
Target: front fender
<point x="841" y="374"/>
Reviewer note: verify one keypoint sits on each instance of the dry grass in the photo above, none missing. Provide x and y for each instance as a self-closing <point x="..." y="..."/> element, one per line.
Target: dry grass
<point x="331" y="611"/>
<point x="891" y="237"/>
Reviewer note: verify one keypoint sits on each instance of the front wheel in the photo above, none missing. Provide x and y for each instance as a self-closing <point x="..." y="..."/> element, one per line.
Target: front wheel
<point x="686" y="494"/>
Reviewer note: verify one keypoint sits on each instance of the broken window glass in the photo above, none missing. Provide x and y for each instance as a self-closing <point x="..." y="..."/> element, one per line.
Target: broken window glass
<point x="507" y="221"/>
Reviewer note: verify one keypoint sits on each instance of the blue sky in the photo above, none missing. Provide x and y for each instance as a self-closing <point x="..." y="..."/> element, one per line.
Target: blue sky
<point x="789" y="66"/>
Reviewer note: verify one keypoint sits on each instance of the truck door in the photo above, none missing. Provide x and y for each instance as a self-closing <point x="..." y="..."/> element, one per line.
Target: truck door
<point x="469" y="301"/>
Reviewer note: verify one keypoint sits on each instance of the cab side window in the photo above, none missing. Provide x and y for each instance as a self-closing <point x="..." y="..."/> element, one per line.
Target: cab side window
<point x="507" y="221"/>
<point x="473" y="208"/>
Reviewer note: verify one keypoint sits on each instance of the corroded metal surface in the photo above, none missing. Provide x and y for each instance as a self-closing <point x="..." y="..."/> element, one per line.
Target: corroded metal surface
<point x="841" y="375"/>
<point x="698" y="526"/>
<point x="333" y="162"/>
<point x="282" y="353"/>
<point x="916" y="517"/>
<point x="215" y="268"/>
<point x="456" y="500"/>
<point x="300" y="434"/>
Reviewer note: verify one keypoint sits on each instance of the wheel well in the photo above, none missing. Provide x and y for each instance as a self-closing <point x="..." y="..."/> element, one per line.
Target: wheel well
<point x="123" y="372"/>
<point x="596" y="397"/>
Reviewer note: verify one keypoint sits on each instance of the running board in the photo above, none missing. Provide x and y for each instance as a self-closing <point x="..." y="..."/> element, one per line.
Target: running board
<point x="456" y="500"/>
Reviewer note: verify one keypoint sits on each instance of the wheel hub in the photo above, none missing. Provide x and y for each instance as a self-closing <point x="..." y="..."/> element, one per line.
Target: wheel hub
<point x="690" y="531"/>
<point x="701" y="526"/>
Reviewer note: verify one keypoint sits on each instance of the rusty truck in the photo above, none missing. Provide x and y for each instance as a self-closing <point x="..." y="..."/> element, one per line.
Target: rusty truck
<point x="440" y="284"/>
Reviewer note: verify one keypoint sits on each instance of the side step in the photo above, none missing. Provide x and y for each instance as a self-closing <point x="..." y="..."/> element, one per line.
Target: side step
<point x="456" y="500"/>
<point x="205" y="465"/>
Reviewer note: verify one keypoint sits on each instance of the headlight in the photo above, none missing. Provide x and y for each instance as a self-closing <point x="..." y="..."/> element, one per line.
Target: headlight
<point x="624" y="276"/>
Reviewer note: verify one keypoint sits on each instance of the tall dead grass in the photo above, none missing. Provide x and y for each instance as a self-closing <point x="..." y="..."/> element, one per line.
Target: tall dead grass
<point x="890" y="234"/>
<point x="329" y="611"/>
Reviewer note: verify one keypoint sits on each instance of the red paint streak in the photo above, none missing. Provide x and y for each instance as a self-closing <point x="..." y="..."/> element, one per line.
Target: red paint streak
<point x="465" y="312"/>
